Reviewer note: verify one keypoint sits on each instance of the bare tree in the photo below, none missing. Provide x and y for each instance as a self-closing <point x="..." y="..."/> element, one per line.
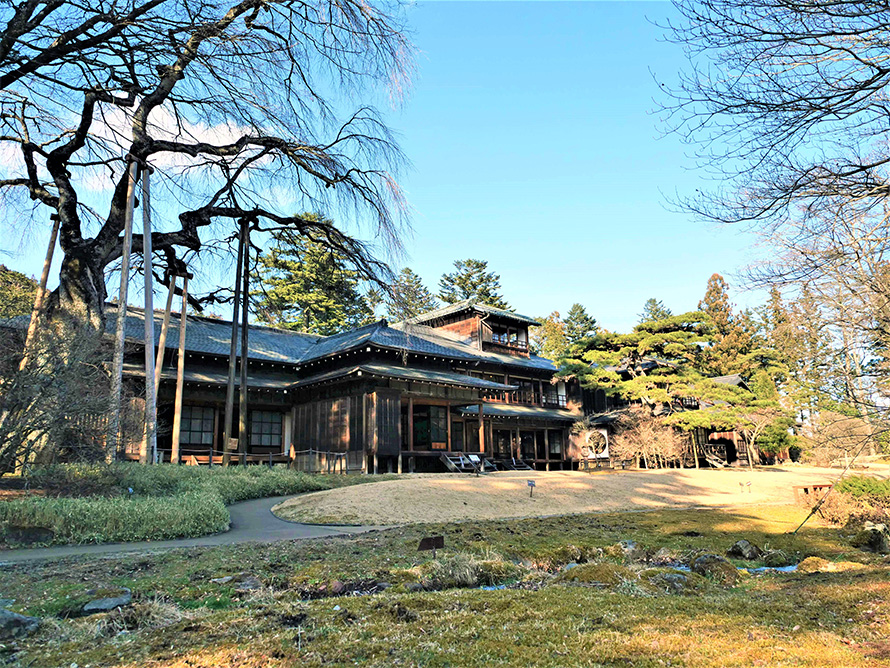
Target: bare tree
<point x="641" y="435"/>
<point x="785" y="103"/>
<point x="233" y="103"/>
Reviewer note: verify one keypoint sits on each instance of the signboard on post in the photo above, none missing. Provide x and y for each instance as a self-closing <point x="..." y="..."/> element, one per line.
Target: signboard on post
<point x="531" y="487"/>
<point x="431" y="543"/>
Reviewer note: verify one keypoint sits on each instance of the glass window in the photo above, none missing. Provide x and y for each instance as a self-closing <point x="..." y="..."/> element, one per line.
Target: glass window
<point x="265" y="429"/>
<point x="555" y="440"/>
<point x="196" y="427"/>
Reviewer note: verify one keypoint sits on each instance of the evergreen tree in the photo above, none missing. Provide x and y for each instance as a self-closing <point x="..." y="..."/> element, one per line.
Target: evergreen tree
<point x="472" y="280"/>
<point x="578" y="325"/>
<point x="549" y="340"/>
<point x="409" y="297"/>
<point x="309" y="287"/>
<point x="654" y="309"/>
<point x="732" y="335"/>
<point x="17" y="293"/>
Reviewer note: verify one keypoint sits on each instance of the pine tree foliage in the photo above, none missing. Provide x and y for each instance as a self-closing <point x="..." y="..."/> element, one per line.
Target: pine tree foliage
<point x="733" y="341"/>
<point x="17" y="293"/>
<point x="307" y="286"/>
<point x="578" y="325"/>
<point x="409" y="297"/>
<point x="472" y="280"/>
<point x="654" y="309"/>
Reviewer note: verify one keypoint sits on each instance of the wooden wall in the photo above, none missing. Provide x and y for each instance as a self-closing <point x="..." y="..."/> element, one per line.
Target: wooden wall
<point x="331" y="425"/>
<point x="388" y="420"/>
<point x="467" y="329"/>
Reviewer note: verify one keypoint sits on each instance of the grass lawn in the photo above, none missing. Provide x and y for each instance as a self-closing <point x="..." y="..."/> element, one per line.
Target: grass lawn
<point x="543" y="618"/>
<point x="70" y="504"/>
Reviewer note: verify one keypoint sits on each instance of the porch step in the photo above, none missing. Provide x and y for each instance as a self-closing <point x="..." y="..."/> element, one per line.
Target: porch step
<point x="514" y="464"/>
<point x="458" y="463"/>
<point x="713" y="461"/>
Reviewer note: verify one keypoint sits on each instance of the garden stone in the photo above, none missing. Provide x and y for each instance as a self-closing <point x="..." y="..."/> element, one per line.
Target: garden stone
<point x="746" y="550"/>
<point x="633" y="552"/>
<point x="717" y="568"/>
<point x="13" y="625"/>
<point x="873" y="537"/>
<point x="664" y="557"/>
<point x="246" y="582"/>
<point x="383" y="586"/>
<point x="777" y="559"/>
<point x="108" y="601"/>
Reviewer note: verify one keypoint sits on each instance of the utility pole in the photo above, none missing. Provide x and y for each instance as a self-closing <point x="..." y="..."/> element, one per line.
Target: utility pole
<point x="233" y="343"/>
<point x="113" y="433"/>
<point x="162" y="341"/>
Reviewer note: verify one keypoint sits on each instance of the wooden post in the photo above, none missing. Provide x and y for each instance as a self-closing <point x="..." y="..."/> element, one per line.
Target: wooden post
<point x="448" y="424"/>
<point x="180" y="374"/>
<point x="149" y="450"/>
<point x="695" y="446"/>
<point x="400" y="464"/>
<point x="375" y="463"/>
<point x="547" y="448"/>
<point x="233" y="342"/>
<point x="113" y="434"/>
<point x="162" y="342"/>
<point x="481" y="430"/>
<point x="516" y="450"/>
<point x="41" y="289"/>
<point x="410" y="423"/>
<point x="245" y="351"/>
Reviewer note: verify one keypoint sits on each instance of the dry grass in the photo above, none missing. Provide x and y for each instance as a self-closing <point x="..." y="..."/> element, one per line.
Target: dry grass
<point x="455" y="497"/>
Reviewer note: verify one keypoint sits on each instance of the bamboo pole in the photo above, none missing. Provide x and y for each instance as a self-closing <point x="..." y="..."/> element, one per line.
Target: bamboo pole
<point x="162" y="342"/>
<point x="112" y="438"/>
<point x="149" y="450"/>
<point x="40" y="296"/>
<point x="245" y="348"/>
<point x="180" y="373"/>
<point x="233" y="342"/>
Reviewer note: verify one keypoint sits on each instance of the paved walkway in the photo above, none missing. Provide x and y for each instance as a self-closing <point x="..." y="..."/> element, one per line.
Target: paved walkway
<point x="251" y="522"/>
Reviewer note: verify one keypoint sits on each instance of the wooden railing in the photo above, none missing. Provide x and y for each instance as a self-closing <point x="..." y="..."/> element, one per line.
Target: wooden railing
<point x="525" y="398"/>
<point x="506" y="342"/>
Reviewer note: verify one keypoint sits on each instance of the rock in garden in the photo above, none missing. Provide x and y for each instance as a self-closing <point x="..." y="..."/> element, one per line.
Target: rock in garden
<point x="664" y="557"/>
<point x="337" y="588"/>
<point x="778" y="558"/>
<point x="746" y="550"/>
<point x="245" y="582"/>
<point x="107" y="600"/>
<point x="717" y="568"/>
<point x="873" y="537"/>
<point x="13" y="625"/>
<point x="675" y="582"/>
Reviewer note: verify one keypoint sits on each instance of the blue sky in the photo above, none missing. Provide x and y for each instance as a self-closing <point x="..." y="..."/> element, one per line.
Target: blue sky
<point x="534" y="145"/>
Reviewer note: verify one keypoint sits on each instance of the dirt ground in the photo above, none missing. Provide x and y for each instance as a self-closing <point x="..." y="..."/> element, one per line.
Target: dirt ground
<point x="450" y="497"/>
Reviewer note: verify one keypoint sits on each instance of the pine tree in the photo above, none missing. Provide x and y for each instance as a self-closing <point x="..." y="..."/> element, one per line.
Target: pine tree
<point x="409" y="297"/>
<point x="17" y="293"/>
<point x="654" y="309"/>
<point x="578" y="325"/>
<point x="472" y="280"/>
<point x="732" y="336"/>
<point x="309" y="287"/>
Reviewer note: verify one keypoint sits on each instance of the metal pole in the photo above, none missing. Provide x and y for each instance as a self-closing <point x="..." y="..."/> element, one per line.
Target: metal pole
<point x="41" y="289"/>
<point x="180" y="373"/>
<point x="149" y="450"/>
<point x="230" y="385"/>
<point x="162" y="342"/>
<point x="112" y="438"/>
<point x="242" y="400"/>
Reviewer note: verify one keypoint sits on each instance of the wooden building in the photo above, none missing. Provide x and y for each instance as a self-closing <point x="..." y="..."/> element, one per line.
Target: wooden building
<point x="383" y="397"/>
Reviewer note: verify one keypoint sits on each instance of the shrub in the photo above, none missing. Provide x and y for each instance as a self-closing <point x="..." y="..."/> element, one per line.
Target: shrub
<point x="461" y="570"/>
<point x="857" y="499"/>
<point x="93" y="504"/>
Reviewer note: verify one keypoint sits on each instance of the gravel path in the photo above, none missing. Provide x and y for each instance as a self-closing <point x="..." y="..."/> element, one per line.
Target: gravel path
<point x="252" y="522"/>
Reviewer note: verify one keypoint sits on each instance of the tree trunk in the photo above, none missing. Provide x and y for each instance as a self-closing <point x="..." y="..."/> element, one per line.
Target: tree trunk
<point x="78" y="303"/>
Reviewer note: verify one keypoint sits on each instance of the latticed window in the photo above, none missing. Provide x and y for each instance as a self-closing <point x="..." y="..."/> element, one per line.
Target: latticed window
<point x="197" y="425"/>
<point x="265" y="428"/>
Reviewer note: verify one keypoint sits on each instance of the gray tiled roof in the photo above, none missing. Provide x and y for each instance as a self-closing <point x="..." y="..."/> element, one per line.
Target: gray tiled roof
<point x="255" y="379"/>
<point x="211" y="336"/>
<point x="519" y="411"/>
<point x="406" y="373"/>
<point x="269" y="344"/>
<point x="468" y="304"/>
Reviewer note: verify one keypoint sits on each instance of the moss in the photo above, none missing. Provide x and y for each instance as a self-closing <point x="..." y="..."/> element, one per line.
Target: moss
<point x="599" y="573"/>
<point x="813" y="565"/>
<point x="674" y="581"/>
